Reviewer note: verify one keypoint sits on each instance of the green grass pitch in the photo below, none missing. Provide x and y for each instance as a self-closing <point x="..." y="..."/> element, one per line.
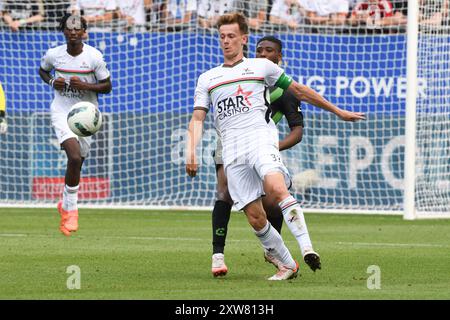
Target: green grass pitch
<point x="161" y="255"/>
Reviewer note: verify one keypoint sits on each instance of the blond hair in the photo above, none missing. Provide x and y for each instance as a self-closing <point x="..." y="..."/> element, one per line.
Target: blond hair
<point x="234" y="17"/>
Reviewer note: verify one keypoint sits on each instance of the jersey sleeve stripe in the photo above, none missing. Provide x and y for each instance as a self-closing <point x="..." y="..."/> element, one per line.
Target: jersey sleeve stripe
<point x="283" y="82"/>
<point x="277" y="117"/>
<point x="276" y="94"/>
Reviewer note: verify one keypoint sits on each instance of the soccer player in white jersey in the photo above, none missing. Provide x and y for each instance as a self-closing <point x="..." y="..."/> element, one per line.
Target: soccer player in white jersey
<point x="80" y="75"/>
<point x="252" y="162"/>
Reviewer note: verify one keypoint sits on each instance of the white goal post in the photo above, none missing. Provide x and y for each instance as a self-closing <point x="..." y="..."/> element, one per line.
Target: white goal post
<point x="409" y="210"/>
<point x="395" y="162"/>
<point x="427" y="131"/>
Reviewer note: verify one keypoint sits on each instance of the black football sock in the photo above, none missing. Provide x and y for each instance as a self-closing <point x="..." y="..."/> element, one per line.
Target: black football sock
<point x="276" y="221"/>
<point x="220" y="218"/>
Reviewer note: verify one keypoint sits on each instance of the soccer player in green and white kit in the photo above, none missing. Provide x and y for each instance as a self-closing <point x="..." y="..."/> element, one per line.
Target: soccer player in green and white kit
<point x="252" y="163"/>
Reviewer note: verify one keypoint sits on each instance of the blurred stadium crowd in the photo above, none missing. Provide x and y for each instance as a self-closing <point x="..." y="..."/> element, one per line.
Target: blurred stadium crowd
<point x="295" y="16"/>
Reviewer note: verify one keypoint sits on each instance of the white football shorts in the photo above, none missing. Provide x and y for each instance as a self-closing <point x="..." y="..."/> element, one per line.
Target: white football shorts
<point x="245" y="176"/>
<point x="63" y="132"/>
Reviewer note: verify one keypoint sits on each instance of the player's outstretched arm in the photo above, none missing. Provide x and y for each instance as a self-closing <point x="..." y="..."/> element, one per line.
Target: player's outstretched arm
<point x="194" y="135"/>
<point x="310" y="96"/>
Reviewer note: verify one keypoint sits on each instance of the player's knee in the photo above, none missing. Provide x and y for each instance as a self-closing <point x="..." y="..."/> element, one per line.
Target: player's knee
<point x="75" y="160"/>
<point x="224" y="196"/>
<point x="257" y="222"/>
<point x="256" y="218"/>
<point x="223" y="193"/>
<point x="278" y="192"/>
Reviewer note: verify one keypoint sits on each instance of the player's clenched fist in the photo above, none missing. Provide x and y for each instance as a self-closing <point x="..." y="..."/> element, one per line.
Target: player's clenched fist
<point x="77" y="83"/>
<point x="59" y="83"/>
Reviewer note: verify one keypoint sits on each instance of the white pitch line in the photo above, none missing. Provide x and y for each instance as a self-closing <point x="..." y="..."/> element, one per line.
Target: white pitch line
<point x="174" y="239"/>
<point x="157" y="238"/>
<point x="363" y="244"/>
<point x="8" y="235"/>
<point x="382" y="244"/>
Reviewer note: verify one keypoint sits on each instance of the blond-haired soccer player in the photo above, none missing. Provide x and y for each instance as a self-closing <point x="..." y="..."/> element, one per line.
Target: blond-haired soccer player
<point x="252" y="162"/>
<point x="3" y="123"/>
<point x="80" y="75"/>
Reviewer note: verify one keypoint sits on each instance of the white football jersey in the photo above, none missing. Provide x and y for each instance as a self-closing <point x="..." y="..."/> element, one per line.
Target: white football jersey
<point x="239" y="96"/>
<point x="89" y="66"/>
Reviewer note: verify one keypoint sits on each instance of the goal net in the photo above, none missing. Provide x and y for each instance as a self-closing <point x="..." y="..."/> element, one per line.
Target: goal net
<point x="137" y="158"/>
<point x="432" y="153"/>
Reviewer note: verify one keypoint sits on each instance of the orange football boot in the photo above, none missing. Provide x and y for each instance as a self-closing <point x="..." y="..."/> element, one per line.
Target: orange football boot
<point x="69" y="220"/>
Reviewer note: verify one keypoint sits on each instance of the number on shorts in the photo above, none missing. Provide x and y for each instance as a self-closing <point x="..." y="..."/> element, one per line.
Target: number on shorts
<point x="276" y="157"/>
